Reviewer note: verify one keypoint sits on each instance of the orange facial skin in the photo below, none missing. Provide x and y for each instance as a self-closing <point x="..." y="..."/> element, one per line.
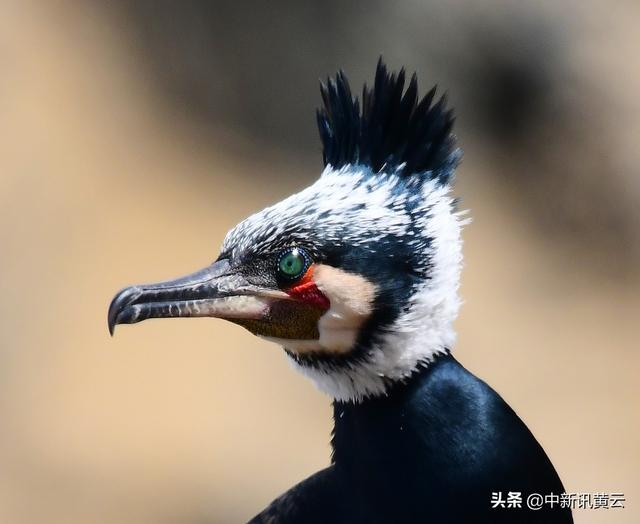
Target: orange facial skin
<point x="306" y="291"/>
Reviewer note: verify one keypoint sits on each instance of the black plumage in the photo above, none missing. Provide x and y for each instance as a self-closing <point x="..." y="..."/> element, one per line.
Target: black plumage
<point x="433" y="450"/>
<point x="394" y="131"/>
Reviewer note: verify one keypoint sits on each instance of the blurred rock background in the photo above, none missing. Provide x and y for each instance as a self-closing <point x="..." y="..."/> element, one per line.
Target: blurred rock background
<point x="134" y="134"/>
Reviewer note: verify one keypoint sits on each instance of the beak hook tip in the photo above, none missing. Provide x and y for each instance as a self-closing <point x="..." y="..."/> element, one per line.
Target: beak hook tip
<point x="119" y="303"/>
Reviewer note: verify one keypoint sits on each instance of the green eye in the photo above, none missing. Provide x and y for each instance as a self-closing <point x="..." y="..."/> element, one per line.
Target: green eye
<point x="293" y="263"/>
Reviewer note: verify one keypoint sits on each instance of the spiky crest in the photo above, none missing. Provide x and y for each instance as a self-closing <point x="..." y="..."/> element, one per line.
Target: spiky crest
<point x="394" y="131"/>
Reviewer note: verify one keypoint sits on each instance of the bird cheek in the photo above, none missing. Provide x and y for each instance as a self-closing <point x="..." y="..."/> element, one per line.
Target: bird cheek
<point x="351" y="297"/>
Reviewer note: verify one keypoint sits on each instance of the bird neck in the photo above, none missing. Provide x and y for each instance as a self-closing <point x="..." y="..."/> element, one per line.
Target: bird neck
<point x="387" y="427"/>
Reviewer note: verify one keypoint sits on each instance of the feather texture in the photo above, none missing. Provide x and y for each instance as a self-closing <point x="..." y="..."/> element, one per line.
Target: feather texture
<point x="395" y="132"/>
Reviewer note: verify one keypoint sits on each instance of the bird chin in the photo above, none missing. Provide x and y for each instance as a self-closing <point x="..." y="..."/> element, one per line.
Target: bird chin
<point x="329" y="342"/>
<point x="296" y="345"/>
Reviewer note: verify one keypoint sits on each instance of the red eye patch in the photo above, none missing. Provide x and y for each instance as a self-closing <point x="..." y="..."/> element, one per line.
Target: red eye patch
<point x="306" y="291"/>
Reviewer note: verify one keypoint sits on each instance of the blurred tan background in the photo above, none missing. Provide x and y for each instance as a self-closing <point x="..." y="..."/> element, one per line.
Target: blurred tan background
<point x="133" y="135"/>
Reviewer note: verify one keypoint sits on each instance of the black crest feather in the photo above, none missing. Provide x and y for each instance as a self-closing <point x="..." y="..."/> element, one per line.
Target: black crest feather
<point x="393" y="128"/>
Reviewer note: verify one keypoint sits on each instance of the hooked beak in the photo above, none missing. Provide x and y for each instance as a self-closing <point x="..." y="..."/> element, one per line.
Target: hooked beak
<point x="216" y="291"/>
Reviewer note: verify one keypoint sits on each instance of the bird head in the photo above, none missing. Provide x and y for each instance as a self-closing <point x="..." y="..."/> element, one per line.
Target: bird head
<point x="356" y="276"/>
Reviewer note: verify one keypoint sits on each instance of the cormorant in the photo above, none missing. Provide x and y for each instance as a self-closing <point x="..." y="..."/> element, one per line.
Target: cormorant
<point x="356" y="277"/>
